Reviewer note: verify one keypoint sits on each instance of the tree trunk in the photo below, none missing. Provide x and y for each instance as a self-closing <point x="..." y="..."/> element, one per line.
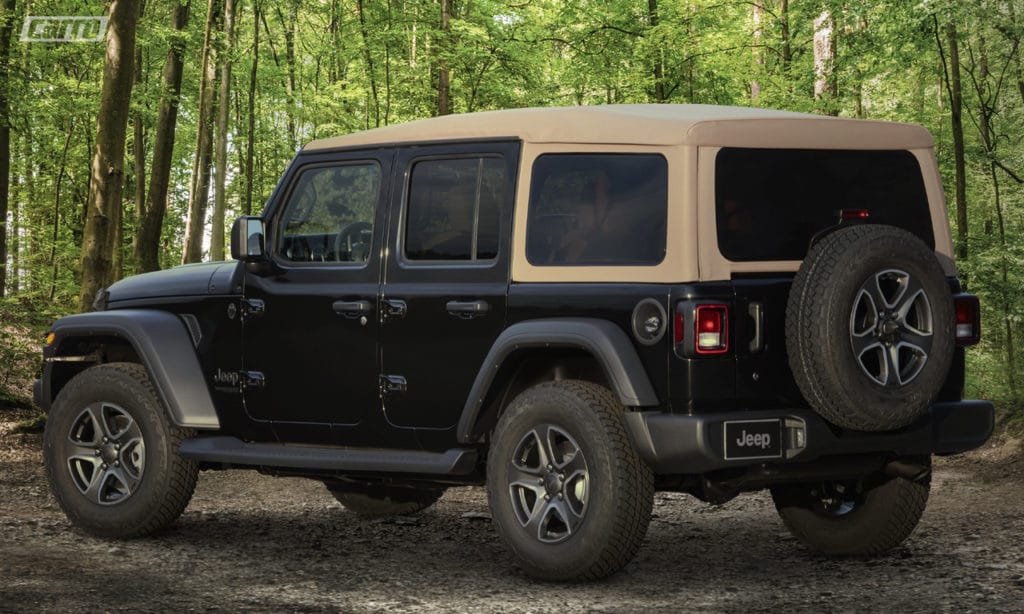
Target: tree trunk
<point x="658" y="71"/>
<point x="375" y="102"/>
<point x="200" y="192"/>
<point x="6" y="32"/>
<point x="220" y="180"/>
<point x="147" y="242"/>
<point x="956" y="106"/>
<point x="758" y="13"/>
<point x="56" y="209"/>
<point x="787" y="46"/>
<point x="825" y="86"/>
<point x="107" y="171"/>
<point x="290" y="24"/>
<point x="444" y="93"/>
<point x="250" y="145"/>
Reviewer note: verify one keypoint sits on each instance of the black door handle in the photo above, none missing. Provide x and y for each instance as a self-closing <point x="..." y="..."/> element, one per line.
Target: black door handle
<point x="352" y="309"/>
<point x="468" y="309"/>
<point x="756" y="311"/>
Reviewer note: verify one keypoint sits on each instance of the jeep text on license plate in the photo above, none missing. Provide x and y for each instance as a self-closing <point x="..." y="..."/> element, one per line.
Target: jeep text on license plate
<point x="753" y="439"/>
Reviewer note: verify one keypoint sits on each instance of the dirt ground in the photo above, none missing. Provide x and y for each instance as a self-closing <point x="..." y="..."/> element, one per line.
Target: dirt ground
<point x="251" y="542"/>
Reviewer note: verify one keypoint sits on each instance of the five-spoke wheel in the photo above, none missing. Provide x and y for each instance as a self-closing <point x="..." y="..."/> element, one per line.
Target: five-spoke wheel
<point x="567" y="491"/>
<point x="111" y="452"/>
<point x="891" y="328"/>
<point x="107" y="453"/>
<point x="548" y="483"/>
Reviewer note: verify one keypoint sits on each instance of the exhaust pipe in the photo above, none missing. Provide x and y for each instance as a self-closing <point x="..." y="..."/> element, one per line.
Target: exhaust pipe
<point x="907" y="470"/>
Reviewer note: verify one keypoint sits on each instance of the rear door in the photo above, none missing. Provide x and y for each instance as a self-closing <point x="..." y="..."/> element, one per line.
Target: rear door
<point x="446" y="279"/>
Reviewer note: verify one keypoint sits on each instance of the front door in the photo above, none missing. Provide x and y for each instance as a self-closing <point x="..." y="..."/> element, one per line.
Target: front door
<point x="444" y="294"/>
<point x="311" y="328"/>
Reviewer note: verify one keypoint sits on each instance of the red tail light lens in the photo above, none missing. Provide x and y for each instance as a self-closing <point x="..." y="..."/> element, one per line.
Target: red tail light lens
<point x="854" y="214"/>
<point x="968" y="319"/>
<point x="712" y="329"/>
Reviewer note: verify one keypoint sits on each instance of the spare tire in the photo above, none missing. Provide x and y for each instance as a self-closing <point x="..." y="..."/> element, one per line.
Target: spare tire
<point x="869" y="327"/>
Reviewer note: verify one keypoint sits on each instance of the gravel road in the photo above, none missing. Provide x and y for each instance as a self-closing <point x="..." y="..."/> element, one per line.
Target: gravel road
<point x="250" y="542"/>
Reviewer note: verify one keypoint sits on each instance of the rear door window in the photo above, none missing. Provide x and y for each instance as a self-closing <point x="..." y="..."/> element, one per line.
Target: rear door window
<point x="770" y="202"/>
<point x="597" y="210"/>
<point x="454" y="209"/>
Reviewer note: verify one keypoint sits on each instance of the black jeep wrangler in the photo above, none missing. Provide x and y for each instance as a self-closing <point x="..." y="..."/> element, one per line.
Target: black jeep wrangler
<point x="575" y="306"/>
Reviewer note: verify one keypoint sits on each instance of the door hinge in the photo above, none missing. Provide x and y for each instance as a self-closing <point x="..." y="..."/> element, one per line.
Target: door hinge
<point x="252" y="380"/>
<point x="393" y="309"/>
<point x="253" y="308"/>
<point x="392" y="384"/>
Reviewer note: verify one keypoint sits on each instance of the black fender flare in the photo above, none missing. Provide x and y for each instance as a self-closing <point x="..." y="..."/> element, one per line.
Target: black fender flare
<point x="164" y="345"/>
<point x="602" y="339"/>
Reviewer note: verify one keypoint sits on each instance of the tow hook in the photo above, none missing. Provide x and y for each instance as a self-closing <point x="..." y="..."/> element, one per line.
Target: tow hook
<point x="910" y="471"/>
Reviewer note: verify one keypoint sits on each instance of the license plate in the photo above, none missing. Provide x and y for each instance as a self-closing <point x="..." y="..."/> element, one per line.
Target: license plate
<point x="753" y="439"/>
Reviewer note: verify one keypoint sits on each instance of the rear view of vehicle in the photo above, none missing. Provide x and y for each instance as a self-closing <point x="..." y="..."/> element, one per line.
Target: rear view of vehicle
<point x="836" y="308"/>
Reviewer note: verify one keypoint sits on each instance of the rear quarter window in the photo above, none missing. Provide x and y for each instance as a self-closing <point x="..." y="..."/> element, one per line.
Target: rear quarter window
<point x="769" y="203"/>
<point x="597" y="210"/>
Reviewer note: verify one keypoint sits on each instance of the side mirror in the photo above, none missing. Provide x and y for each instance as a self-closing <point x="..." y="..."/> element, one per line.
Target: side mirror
<point x="247" y="239"/>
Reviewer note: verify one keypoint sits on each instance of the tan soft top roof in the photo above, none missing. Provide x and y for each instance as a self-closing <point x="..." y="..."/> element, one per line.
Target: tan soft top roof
<point x="649" y="124"/>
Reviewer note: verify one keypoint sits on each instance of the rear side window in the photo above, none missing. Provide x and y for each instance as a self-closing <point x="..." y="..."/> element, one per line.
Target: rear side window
<point x="597" y="210"/>
<point x="454" y="209"/>
<point x="771" y="202"/>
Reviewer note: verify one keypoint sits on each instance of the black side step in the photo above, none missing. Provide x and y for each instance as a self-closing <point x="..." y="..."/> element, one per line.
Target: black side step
<point x="233" y="451"/>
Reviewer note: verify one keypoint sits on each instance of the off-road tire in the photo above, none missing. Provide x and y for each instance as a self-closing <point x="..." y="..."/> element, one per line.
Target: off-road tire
<point x="619" y="485"/>
<point x="819" y="328"/>
<point x="885" y="514"/>
<point x="386" y="502"/>
<point x="167" y="481"/>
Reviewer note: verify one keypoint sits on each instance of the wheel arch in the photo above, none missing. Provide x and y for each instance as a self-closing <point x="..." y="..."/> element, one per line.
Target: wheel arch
<point x="544" y="349"/>
<point x="158" y="340"/>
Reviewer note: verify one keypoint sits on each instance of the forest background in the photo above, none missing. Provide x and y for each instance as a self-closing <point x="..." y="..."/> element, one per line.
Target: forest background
<point x="136" y="152"/>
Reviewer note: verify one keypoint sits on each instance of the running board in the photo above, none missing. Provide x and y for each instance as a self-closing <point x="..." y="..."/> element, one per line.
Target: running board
<point x="233" y="451"/>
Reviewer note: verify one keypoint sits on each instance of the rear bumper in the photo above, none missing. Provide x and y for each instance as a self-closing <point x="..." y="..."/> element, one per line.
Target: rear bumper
<point x="692" y="444"/>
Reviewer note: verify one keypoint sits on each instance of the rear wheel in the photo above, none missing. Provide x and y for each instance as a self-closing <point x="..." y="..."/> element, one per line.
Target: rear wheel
<point x="111" y="454"/>
<point x="861" y="517"/>
<point x="567" y="491"/>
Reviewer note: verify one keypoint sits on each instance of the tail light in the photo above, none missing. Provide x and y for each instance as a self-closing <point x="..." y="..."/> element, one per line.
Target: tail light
<point x="701" y="329"/>
<point x="968" y="319"/>
<point x="712" y="324"/>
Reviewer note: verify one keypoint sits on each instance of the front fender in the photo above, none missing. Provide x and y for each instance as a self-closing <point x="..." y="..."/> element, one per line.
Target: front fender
<point x="163" y="344"/>
<point x="602" y="339"/>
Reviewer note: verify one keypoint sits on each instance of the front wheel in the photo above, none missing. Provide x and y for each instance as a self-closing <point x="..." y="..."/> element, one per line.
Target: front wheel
<point x="567" y="491"/>
<point x="863" y="517"/>
<point x="111" y="454"/>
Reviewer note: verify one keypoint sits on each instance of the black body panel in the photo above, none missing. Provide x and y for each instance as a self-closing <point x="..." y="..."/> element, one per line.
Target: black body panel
<point x="233" y="451"/>
<point x="207" y="278"/>
<point x="695" y="444"/>
<point x="441" y="317"/>
<point x="319" y="361"/>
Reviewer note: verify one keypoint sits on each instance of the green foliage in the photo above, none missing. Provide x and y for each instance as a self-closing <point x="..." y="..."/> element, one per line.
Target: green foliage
<point x="336" y="66"/>
<point x="33" y="426"/>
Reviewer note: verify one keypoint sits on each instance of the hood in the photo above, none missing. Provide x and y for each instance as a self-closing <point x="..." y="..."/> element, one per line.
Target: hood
<point x="187" y="280"/>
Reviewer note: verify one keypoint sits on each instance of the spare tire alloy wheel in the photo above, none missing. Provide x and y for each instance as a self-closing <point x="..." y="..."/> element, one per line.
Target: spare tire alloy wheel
<point x="106" y="453"/>
<point x="549" y="483"/>
<point x="891" y="327"/>
<point x="869" y="328"/>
